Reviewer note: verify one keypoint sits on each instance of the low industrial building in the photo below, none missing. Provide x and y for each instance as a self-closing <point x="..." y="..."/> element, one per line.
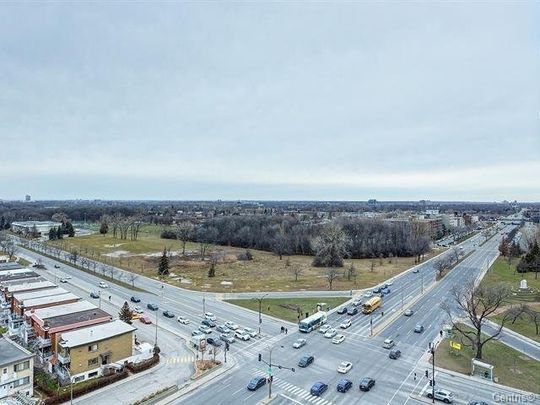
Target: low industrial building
<point x="43" y="227"/>
<point x="17" y="365"/>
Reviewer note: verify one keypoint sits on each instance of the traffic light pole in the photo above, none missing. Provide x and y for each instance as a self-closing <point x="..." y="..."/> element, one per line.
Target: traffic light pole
<point x="270" y="365"/>
<point x="432" y="347"/>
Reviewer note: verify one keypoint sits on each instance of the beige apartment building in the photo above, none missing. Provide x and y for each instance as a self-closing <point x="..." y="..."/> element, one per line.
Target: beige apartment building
<point x="16" y="370"/>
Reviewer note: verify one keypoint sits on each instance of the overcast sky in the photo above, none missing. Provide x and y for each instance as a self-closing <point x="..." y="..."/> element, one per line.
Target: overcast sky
<point x="391" y="101"/>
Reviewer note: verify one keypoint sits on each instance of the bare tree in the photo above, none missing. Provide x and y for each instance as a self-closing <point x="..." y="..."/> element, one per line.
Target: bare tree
<point x="440" y="266"/>
<point x="296" y="270"/>
<point x="351" y="272"/>
<point x="330" y="247"/>
<point x="332" y="273"/>
<point x="534" y="317"/>
<point x="132" y="277"/>
<point x="475" y="304"/>
<point x="184" y="231"/>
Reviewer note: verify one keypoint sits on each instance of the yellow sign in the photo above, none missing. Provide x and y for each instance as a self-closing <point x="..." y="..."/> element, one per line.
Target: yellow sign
<point x="455" y="345"/>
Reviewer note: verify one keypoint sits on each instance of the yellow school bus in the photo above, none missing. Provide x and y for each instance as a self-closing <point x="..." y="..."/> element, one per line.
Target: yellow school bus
<point x="371" y="305"/>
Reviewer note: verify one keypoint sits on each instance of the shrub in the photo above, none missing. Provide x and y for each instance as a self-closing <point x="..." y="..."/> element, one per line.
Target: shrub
<point x="168" y="235"/>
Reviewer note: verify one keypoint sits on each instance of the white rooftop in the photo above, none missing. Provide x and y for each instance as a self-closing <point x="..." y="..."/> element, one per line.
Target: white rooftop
<point x="95" y="333"/>
<point x="51" y="312"/>
<point x="30" y="286"/>
<point x="50" y="300"/>
<point x="40" y="293"/>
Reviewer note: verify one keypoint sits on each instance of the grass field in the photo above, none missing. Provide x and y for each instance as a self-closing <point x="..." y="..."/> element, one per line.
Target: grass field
<point x="23" y="262"/>
<point x="522" y="325"/>
<point x="510" y="366"/>
<point x="266" y="272"/>
<point x="289" y="308"/>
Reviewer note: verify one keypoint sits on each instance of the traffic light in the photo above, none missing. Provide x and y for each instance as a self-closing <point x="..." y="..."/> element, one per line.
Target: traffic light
<point x="431" y="383"/>
<point x="279" y="367"/>
<point x="271" y="378"/>
<point x="427" y="373"/>
<point x="260" y="358"/>
<point x="227" y="346"/>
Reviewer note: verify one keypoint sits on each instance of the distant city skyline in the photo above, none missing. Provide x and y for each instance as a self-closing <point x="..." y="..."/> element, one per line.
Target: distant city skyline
<point x="270" y="101"/>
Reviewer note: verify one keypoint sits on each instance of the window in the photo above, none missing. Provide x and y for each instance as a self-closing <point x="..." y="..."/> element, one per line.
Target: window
<point x="93" y="374"/>
<point x="78" y="378"/>
<point x="93" y="362"/>
<point x="92" y="348"/>
<point x="4" y="371"/>
<point x="21" y="381"/>
<point x="22" y="366"/>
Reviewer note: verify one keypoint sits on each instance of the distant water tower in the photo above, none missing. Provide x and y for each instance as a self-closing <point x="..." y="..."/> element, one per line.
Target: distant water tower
<point x="27" y="198"/>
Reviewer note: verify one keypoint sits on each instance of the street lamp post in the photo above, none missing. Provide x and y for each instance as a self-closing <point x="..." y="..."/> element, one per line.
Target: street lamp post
<point x="157" y="316"/>
<point x="203" y="305"/>
<point x="422" y="278"/>
<point x="432" y="349"/>
<point x="260" y="310"/>
<point x="99" y="293"/>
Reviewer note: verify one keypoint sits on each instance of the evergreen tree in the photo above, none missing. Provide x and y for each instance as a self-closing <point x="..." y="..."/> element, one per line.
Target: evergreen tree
<point x="52" y="234"/>
<point x="59" y="233"/>
<point x="163" y="268"/>
<point x="125" y="313"/>
<point x="104" y="228"/>
<point x="69" y="229"/>
<point x="2" y="223"/>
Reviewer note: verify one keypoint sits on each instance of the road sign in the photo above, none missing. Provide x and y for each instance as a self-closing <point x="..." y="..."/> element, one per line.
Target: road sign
<point x="269" y="370"/>
<point x="455" y="345"/>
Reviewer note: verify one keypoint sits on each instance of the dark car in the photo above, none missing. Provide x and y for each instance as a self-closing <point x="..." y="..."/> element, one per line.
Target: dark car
<point x="344" y="385"/>
<point x="394" y="354"/>
<point x="418" y="328"/>
<point x="318" y="388"/>
<point x="352" y="311"/>
<point x="366" y="384"/>
<point x="385" y="291"/>
<point x="213" y="342"/>
<point x="94" y="295"/>
<point x="376" y="290"/>
<point x="209" y="323"/>
<point x="168" y="314"/>
<point x="306" y="361"/>
<point x="151" y="306"/>
<point x="342" y="310"/>
<point x="477" y="403"/>
<point x="256" y="383"/>
<point x="135" y="299"/>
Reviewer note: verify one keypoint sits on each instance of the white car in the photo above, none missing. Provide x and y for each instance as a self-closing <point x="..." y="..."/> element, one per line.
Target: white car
<point x="345" y="324"/>
<point x="103" y="285"/>
<point x="369" y="294"/>
<point x="357" y="302"/>
<point x="183" y="320"/>
<point x="138" y="310"/>
<point x="338" y="339"/>
<point x="251" y="332"/>
<point x="205" y="329"/>
<point x="330" y="333"/>
<point x="299" y="343"/>
<point x="240" y="334"/>
<point x="324" y="328"/>
<point x="67" y="276"/>
<point x="231" y="325"/>
<point x="210" y="316"/>
<point x="344" y="367"/>
<point x="389" y="283"/>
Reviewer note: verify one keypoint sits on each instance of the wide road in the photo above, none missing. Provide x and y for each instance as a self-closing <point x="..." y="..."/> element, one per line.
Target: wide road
<point x="396" y="383"/>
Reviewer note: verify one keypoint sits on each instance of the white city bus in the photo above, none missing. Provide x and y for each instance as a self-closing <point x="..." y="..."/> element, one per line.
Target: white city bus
<point x="312" y="322"/>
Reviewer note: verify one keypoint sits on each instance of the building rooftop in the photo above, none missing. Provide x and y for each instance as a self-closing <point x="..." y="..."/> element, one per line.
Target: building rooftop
<point x="21" y="274"/>
<point x="11" y="352"/>
<point x="51" y="312"/>
<point x="76" y="317"/>
<point x="10" y="266"/>
<point x="53" y="299"/>
<point x="95" y="333"/>
<point x="28" y="286"/>
<point x="37" y="294"/>
<point x="35" y="223"/>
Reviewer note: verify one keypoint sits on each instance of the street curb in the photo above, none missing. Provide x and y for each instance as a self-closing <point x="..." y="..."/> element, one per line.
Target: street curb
<point x="267" y="400"/>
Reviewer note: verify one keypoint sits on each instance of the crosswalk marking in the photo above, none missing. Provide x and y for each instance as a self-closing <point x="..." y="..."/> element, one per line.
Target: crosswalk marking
<point x="180" y="359"/>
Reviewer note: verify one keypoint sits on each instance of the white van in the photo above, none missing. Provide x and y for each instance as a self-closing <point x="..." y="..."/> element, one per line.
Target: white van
<point x="388" y="344"/>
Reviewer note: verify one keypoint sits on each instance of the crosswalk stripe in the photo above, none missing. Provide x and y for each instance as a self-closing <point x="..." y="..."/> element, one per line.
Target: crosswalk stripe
<point x="296" y="390"/>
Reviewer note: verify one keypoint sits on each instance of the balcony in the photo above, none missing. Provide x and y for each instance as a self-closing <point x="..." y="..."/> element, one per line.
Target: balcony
<point x="63" y="358"/>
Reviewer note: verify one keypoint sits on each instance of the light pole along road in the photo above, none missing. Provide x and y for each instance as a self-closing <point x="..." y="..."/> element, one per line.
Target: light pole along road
<point x="260" y="299"/>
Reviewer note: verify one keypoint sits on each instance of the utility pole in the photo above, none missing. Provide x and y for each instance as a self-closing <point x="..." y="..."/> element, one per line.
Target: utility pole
<point x="157" y="316"/>
<point x="203" y="305"/>
<point x="99" y="293"/>
<point x="260" y="309"/>
<point x="432" y="349"/>
<point x="422" y="278"/>
<point x="270" y="364"/>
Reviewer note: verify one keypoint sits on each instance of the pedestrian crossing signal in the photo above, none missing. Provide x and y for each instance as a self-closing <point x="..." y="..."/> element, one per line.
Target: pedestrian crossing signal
<point x="260" y="357"/>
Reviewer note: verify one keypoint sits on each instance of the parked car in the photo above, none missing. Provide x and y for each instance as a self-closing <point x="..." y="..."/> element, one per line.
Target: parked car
<point x="366" y="384"/>
<point x="251" y="332"/>
<point x="376" y="290"/>
<point x="168" y="314"/>
<point x="418" y="328"/>
<point x="103" y="285"/>
<point x="94" y="294"/>
<point x="223" y="329"/>
<point x="240" y="334"/>
<point x="394" y="354"/>
<point x="152" y="307"/>
<point x="389" y="283"/>
<point x="344" y="367"/>
<point x="441" y="395"/>
<point x="306" y="361"/>
<point x="196" y="332"/>
<point x="231" y="325"/>
<point x="256" y="383"/>
<point x="214" y="342"/>
<point x="209" y="323"/>
<point x="330" y="333"/>
<point x="299" y="343"/>
<point x="318" y="388"/>
<point x="345" y="324"/>
<point x="352" y="311"/>
<point x="227" y="338"/>
<point x="408" y="312"/>
<point x="145" y="319"/>
<point x="342" y="310"/>
<point x="210" y="316"/>
<point x="182" y="320"/>
<point x="205" y="329"/>
<point x="388" y="344"/>
<point x="135" y="299"/>
<point x="323" y="329"/>
<point x="344" y="385"/>
<point x="338" y="339"/>
<point x="138" y="310"/>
